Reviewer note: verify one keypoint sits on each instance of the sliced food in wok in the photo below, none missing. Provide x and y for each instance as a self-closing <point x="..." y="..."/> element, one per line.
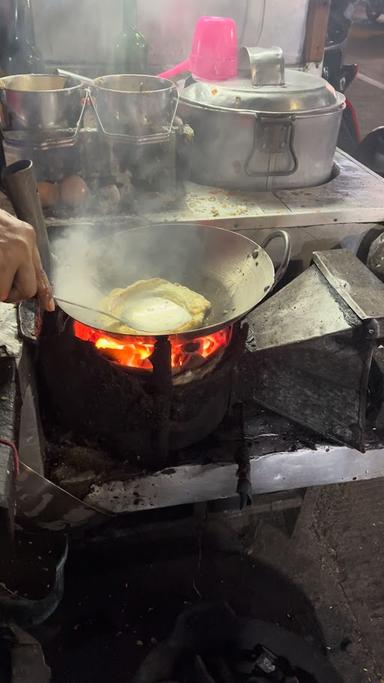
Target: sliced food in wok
<point x="154" y="306"/>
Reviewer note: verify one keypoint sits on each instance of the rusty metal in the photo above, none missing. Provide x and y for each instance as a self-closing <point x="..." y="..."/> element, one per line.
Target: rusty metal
<point x="163" y="389"/>
<point x="314" y="342"/>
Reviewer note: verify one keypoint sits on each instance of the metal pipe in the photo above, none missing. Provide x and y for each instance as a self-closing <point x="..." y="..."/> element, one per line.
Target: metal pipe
<point x="19" y="182"/>
<point x="76" y="77"/>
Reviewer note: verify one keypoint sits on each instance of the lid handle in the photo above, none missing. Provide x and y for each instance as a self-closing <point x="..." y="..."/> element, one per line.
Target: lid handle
<point x="266" y="65"/>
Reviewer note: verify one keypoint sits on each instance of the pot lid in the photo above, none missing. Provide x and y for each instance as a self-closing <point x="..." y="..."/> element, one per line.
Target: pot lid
<point x="267" y="87"/>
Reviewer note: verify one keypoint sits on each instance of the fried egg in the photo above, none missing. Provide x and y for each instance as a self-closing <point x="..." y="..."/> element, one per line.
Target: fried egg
<point x="154" y="306"/>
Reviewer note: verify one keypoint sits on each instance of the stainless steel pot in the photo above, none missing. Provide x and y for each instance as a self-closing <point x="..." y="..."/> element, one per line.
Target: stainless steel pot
<point x="140" y="108"/>
<point x="277" y="129"/>
<point x="40" y="102"/>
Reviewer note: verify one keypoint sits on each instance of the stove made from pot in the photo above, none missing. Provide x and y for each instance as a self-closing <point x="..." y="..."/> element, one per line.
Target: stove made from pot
<point x="139" y="397"/>
<point x="308" y="358"/>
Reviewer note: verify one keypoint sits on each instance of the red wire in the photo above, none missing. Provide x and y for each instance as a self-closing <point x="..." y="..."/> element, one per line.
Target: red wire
<point x="15" y="453"/>
<point x="355" y="119"/>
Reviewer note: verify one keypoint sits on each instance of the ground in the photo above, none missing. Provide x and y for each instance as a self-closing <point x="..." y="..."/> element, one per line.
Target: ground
<point x="324" y="582"/>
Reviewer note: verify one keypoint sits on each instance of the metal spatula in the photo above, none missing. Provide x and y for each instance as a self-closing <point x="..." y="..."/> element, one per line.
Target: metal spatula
<point x="132" y="322"/>
<point x="92" y="310"/>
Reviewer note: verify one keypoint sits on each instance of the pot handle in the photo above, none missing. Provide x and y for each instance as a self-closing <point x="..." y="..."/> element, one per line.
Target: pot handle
<point x="266" y="65"/>
<point x="286" y="257"/>
<point x="273" y="135"/>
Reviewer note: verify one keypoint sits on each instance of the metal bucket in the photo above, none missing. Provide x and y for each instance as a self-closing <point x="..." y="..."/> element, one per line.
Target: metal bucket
<point x="40" y="102"/>
<point x="136" y="107"/>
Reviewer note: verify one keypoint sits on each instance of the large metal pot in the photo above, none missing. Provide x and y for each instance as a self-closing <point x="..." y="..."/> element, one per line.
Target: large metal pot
<point x="140" y="108"/>
<point x="277" y="129"/>
<point x="40" y="103"/>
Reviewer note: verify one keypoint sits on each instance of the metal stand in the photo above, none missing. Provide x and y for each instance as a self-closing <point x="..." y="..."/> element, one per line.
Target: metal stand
<point x="162" y="388"/>
<point x="314" y="343"/>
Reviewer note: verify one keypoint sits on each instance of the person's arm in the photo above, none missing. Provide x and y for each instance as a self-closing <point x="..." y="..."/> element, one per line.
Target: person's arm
<point x="21" y="273"/>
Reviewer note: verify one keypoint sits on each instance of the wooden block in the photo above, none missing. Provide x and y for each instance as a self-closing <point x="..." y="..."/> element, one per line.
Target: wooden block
<point x="316" y="30"/>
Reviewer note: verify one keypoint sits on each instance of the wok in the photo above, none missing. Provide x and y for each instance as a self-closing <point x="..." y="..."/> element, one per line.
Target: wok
<point x="230" y="270"/>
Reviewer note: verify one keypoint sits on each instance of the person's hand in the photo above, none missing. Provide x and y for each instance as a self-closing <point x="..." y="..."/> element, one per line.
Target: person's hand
<point x="21" y="273"/>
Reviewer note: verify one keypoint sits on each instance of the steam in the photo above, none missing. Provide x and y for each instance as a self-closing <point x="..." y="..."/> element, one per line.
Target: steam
<point x="74" y="274"/>
<point x="83" y="33"/>
<point x="93" y="259"/>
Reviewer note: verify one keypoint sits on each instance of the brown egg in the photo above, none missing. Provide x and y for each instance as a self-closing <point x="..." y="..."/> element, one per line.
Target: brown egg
<point x="49" y="194"/>
<point x="73" y="191"/>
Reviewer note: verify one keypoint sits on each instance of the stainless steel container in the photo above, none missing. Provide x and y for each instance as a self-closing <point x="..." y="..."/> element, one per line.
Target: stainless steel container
<point x="140" y="108"/>
<point x="40" y="103"/>
<point x="275" y="128"/>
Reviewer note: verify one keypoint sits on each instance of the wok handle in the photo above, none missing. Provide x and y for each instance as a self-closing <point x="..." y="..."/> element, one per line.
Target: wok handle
<point x="286" y="257"/>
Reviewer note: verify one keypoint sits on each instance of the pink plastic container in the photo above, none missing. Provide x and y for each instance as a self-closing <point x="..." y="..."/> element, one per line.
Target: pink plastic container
<point x="213" y="56"/>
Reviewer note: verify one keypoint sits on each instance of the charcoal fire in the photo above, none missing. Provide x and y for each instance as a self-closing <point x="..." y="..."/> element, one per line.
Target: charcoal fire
<point x="136" y="352"/>
<point x="102" y="389"/>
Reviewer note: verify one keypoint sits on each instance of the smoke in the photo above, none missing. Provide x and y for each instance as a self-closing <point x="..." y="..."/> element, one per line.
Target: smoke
<point x="74" y="34"/>
<point x="74" y="275"/>
<point x="93" y="259"/>
<point x="88" y="267"/>
<point x="84" y="33"/>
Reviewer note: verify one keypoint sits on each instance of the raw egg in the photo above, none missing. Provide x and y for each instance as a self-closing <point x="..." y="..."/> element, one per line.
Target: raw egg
<point x="49" y="194"/>
<point x="74" y="191"/>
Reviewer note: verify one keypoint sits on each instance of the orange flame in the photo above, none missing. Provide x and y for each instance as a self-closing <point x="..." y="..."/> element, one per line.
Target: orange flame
<point x="135" y="352"/>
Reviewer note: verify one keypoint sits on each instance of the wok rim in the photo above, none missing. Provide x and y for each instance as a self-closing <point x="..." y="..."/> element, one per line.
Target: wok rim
<point x="64" y="90"/>
<point x="168" y="85"/>
<point x="196" y="332"/>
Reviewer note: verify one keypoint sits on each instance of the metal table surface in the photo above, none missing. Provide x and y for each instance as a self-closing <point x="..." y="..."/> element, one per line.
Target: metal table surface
<point x="337" y="211"/>
<point x="272" y="472"/>
<point x="353" y="195"/>
<point x="282" y="457"/>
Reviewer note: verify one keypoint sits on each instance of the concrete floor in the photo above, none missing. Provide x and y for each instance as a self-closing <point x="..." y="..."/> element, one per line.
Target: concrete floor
<point x="336" y="557"/>
<point x="365" y="47"/>
<point x="324" y="582"/>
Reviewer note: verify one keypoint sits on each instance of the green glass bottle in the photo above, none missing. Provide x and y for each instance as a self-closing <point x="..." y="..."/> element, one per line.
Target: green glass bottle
<point x="130" y="52"/>
<point x="22" y="55"/>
